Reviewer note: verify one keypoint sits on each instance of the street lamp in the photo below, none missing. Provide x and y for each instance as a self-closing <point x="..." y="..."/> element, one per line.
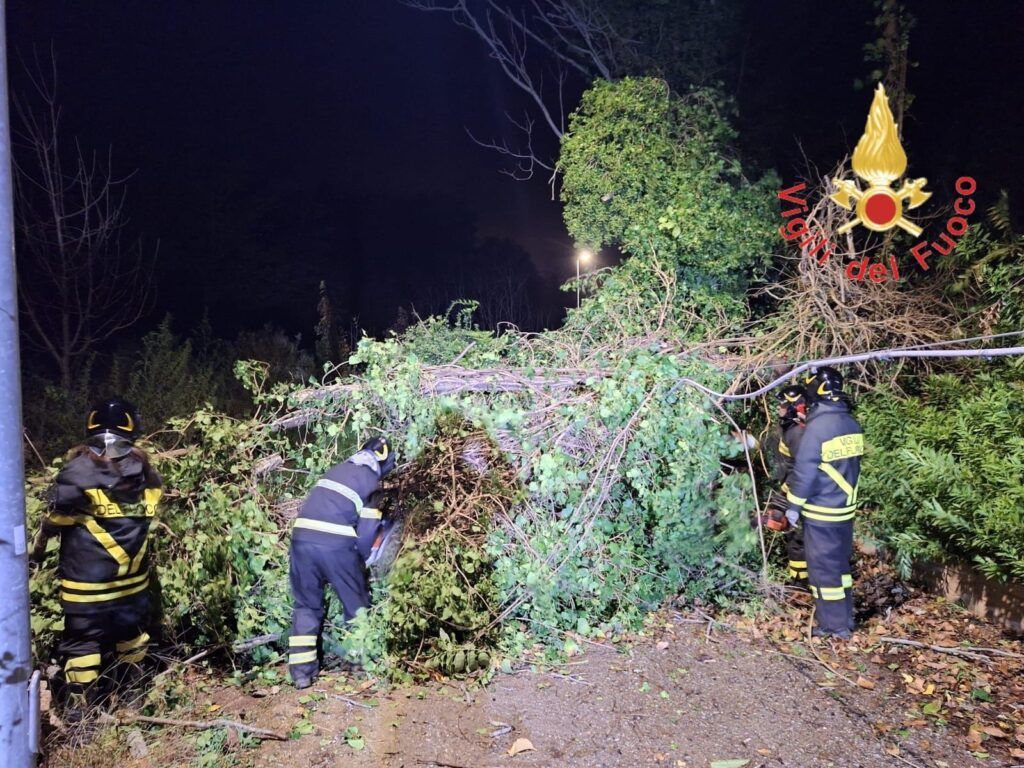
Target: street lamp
<point x="583" y="256"/>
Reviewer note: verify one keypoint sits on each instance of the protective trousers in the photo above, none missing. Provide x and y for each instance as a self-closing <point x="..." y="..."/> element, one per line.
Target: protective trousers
<point x="797" y="555"/>
<point x="94" y="644"/>
<point x="829" y="547"/>
<point x="313" y="566"/>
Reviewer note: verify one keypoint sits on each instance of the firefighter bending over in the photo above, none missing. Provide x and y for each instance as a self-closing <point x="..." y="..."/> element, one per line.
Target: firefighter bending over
<point x="331" y="540"/>
<point x="823" y="490"/>
<point x="102" y="506"/>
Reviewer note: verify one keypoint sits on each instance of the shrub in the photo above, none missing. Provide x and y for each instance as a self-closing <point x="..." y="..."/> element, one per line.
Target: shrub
<point x="943" y="471"/>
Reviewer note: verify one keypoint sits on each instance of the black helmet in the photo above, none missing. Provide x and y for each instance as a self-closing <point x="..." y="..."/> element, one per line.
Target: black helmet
<point x="793" y="402"/>
<point x="792" y="395"/>
<point x="112" y="427"/>
<point x="826" y="383"/>
<point x="381" y="450"/>
<point x="114" y="415"/>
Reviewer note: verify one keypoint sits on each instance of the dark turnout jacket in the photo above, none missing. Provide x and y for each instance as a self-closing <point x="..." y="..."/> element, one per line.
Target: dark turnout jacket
<point x="103" y="511"/>
<point x="826" y="467"/>
<point x="789" y="445"/>
<point x="341" y="509"/>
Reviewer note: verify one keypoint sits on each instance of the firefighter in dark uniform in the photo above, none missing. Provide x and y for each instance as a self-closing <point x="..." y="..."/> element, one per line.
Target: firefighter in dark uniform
<point x="331" y="539"/>
<point x="792" y="420"/>
<point x="103" y="506"/>
<point x="823" y="490"/>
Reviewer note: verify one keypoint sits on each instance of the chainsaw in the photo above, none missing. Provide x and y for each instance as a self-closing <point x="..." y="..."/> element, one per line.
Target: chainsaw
<point x="386" y="545"/>
<point x="774" y="517"/>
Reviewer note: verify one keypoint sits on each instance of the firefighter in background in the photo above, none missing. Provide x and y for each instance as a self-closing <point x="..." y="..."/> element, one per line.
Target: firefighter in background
<point x="792" y="421"/>
<point x="331" y="539"/>
<point x="102" y="507"/>
<point x="823" y="490"/>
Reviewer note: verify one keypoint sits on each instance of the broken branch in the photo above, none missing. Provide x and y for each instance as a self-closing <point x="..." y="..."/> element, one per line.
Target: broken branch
<point x="204" y="725"/>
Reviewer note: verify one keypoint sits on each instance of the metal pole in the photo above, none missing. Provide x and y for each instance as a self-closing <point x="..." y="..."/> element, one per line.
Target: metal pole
<point x="15" y="658"/>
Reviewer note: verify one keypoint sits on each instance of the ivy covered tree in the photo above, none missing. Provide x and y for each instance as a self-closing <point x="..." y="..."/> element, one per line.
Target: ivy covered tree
<point x="653" y="173"/>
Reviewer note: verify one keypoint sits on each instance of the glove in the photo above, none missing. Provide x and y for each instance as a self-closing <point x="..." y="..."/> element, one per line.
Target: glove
<point x="793" y="515"/>
<point x="35" y="560"/>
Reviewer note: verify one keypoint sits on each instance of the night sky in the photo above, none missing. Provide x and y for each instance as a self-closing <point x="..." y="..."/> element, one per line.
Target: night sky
<point x="276" y="144"/>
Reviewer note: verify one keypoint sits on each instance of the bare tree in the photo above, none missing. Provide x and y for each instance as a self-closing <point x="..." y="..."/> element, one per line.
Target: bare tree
<point x="573" y="37"/>
<point x="78" y="283"/>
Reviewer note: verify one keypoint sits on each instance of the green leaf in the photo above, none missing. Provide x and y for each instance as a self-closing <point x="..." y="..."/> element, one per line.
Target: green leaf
<point x="735" y="763"/>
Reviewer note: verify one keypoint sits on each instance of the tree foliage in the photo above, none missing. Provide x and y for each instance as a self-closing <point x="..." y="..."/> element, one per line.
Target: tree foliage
<point x="652" y="173"/>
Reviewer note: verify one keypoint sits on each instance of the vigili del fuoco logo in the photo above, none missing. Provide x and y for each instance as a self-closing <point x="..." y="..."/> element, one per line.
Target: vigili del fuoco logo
<point x="878" y="160"/>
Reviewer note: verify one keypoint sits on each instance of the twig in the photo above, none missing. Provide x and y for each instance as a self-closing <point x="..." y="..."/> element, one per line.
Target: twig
<point x="970" y="652"/>
<point x="462" y="354"/>
<point x="189" y="660"/>
<point x="904" y="760"/>
<point x="441" y="763"/>
<point x="34" y="450"/>
<point x="204" y="725"/>
<point x="350" y="702"/>
<point x="571" y="678"/>
<point x="255" y="642"/>
<point x="816" y="660"/>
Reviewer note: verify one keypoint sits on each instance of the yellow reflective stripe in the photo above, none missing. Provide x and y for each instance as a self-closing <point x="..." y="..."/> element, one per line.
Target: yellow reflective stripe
<point x="828" y="518"/>
<point x="301" y="658"/>
<point x="343" y="490"/>
<point x="105" y="507"/>
<point x="370" y="513"/>
<point x="57" y="519"/>
<point x="137" y="560"/>
<point x="847" y="581"/>
<point x="784" y="449"/>
<point x="839" y="480"/>
<point x="78" y="662"/>
<point x="830" y="510"/>
<point x="103" y="537"/>
<point x="81" y="675"/>
<point x="320" y="525"/>
<point x="832" y="593"/>
<point x="798" y="564"/>
<point x="797" y="574"/>
<point x="135" y="657"/>
<point x="795" y="499"/>
<point x="301" y="640"/>
<point x="814" y="590"/>
<point x="842" y="447"/>
<point x="128" y="645"/>
<point x="73" y="598"/>
<point x="94" y="586"/>
<point x="785" y="488"/>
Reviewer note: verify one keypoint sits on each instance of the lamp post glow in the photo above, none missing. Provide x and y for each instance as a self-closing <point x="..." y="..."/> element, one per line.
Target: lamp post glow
<point x="583" y="256"/>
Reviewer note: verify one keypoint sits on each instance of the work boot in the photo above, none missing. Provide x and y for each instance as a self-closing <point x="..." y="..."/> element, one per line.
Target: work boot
<point x="302" y="681"/>
<point x="842" y="634"/>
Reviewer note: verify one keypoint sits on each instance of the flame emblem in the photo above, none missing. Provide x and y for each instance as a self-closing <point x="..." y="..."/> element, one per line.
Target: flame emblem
<point x="879" y="160"/>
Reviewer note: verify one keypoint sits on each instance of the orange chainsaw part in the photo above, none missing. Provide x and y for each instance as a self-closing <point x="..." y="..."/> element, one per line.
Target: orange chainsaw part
<point x="776" y="520"/>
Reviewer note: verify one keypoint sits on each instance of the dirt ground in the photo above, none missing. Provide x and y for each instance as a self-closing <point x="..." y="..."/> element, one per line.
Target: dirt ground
<point x="683" y="701"/>
<point x="683" y="695"/>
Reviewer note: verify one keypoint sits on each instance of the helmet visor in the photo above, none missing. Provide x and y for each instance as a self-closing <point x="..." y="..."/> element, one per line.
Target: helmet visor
<point x="109" y="446"/>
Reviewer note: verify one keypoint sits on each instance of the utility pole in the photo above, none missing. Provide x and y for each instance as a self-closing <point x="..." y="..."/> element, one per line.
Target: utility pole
<point x="18" y="722"/>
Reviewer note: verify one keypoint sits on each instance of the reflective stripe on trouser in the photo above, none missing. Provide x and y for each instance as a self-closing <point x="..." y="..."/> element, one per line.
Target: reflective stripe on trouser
<point x="132" y="651"/>
<point x="312" y="566"/>
<point x="796" y="553"/>
<point x="829" y="547"/>
<point x="93" y="642"/>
